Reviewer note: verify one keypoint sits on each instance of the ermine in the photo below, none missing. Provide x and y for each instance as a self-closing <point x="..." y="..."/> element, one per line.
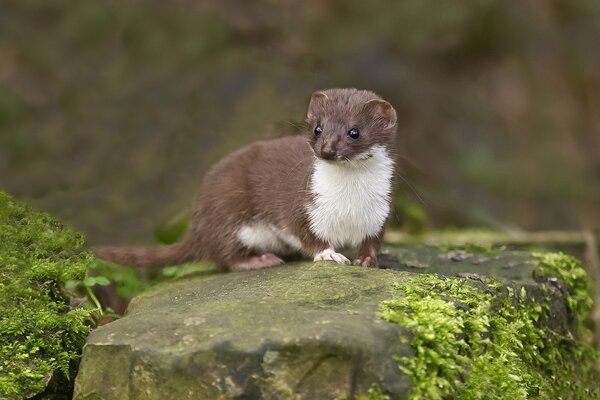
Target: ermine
<point x="310" y="194"/>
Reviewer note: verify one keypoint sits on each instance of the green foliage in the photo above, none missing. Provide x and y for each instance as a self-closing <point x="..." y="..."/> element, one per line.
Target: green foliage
<point x="40" y="334"/>
<point x="488" y="342"/>
<point x="87" y="285"/>
<point x="130" y="282"/>
<point x="179" y="271"/>
<point x="173" y="230"/>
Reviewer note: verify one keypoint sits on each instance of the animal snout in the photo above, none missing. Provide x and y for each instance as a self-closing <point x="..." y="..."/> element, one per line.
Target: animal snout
<point x="328" y="151"/>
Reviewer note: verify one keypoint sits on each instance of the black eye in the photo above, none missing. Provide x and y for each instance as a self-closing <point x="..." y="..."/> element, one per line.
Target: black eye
<point x="318" y="130"/>
<point x="353" y="133"/>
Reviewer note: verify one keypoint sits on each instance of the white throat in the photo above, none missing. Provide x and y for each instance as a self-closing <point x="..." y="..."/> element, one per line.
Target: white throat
<point x="351" y="199"/>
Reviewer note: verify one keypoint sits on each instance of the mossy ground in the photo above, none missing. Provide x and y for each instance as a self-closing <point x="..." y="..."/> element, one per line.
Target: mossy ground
<point x="487" y="341"/>
<point x="41" y="336"/>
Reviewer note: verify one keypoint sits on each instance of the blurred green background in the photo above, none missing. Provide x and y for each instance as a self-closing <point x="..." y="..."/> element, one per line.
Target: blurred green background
<point x="111" y="111"/>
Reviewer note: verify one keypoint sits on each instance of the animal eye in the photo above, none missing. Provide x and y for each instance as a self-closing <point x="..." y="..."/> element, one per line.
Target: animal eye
<point x="318" y="130"/>
<point x="353" y="133"/>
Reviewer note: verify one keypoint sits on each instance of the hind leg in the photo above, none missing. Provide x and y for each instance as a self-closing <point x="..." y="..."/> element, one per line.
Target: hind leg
<point x="256" y="262"/>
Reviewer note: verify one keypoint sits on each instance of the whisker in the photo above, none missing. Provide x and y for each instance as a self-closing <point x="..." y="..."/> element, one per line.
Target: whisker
<point x="295" y="125"/>
<point x="411" y="187"/>
<point x="409" y="161"/>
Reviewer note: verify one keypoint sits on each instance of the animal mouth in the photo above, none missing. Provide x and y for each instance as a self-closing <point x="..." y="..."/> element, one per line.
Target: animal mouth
<point x="363" y="156"/>
<point x="357" y="158"/>
<point x="353" y="161"/>
<point x="340" y="159"/>
<point x="336" y="159"/>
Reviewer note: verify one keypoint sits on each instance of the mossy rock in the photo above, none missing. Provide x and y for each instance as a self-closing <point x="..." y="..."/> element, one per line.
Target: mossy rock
<point x="319" y="330"/>
<point x="257" y="334"/>
<point x="41" y="336"/>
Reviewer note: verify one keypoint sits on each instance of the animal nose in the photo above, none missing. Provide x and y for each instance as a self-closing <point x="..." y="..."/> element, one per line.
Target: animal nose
<point x="328" y="151"/>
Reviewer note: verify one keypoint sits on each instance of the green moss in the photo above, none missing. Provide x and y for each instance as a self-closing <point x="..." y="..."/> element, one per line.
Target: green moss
<point x="40" y="335"/>
<point x="374" y="393"/>
<point x="486" y="341"/>
<point x="572" y="277"/>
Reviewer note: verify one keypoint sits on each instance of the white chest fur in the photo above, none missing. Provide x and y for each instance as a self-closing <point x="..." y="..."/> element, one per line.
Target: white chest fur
<point x="351" y="200"/>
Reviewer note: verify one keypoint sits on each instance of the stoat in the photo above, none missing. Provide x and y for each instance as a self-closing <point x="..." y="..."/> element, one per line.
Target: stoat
<point x="310" y="194"/>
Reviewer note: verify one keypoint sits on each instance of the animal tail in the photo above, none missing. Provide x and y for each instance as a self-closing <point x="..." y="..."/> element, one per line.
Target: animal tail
<point x="146" y="256"/>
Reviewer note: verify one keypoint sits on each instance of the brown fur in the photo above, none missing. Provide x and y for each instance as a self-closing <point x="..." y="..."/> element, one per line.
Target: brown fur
<point x="269" y="181"/>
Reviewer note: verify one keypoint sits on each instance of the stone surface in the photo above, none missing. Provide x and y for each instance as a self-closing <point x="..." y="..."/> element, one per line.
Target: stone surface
<point x="461" y="261"/>
<point x="299" y="331"/>
<point x="306" y="331"/>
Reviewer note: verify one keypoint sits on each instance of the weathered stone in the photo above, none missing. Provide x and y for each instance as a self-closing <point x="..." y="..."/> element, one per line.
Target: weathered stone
<point x="460" y="261"/>
<point x="302" y="331"/>
<point x="306" y="331"/>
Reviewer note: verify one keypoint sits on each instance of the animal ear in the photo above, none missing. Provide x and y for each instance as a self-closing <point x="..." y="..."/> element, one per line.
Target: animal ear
<point x="382" y="110"/>
<point x="316" y="100"/>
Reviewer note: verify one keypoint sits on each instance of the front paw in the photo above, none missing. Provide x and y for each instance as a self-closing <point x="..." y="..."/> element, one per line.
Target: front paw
<point x="366" y="261"/>
<point x="331" y="255"/>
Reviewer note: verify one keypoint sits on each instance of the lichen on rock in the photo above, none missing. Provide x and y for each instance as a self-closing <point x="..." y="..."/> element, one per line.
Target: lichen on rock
<point x="40" y="334"/>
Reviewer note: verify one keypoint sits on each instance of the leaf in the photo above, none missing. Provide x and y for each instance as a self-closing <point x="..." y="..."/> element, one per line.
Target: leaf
<point x="170" y="271"/>
<point x="89" y="281"/>
<point x="72" y="284"/>
<point x="102" y="281"/>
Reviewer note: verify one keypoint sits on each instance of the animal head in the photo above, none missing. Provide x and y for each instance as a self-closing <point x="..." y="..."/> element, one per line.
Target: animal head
<point x="345" y="124"/>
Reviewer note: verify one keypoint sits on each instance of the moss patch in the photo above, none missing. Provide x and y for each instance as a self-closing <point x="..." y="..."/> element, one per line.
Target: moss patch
<point x="485" y="341"/>
<point x="567" y="272"/>
<point x="40" y="335"/>
<point x="374" y="393"/>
